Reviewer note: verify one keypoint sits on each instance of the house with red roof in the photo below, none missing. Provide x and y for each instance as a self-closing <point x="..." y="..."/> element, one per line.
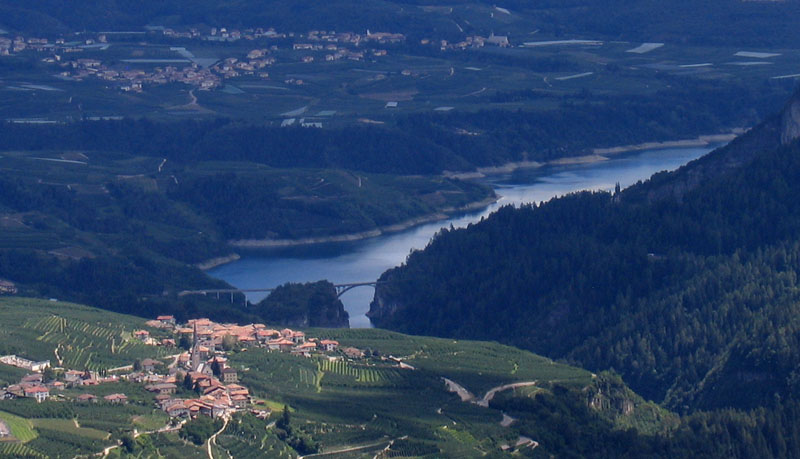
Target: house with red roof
<point x="40" y="393"/>
<point x="166" y="320"/>
<point x="117" y="399"/>
<point x="87" y="398"/>
<point x="329" y="345"/>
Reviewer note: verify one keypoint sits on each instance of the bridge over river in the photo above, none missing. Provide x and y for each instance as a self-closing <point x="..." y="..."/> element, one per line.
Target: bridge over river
<point x="341" y="289"/>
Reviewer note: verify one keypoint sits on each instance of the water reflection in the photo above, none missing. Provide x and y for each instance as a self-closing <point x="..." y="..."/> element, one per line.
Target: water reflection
<point x="363" y="261"/>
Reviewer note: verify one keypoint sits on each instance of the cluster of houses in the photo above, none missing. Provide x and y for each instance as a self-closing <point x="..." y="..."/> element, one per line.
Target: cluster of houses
<point x="211" y="337"/>
<point x="218" y="394"/>
<point x="207" y="369"/>
<point x="34" y="386"/>
<point x="202" y="371"/>
<point x="472" y="41"/>
<point x="200" y="73"/>
<point x="134" y="79"/>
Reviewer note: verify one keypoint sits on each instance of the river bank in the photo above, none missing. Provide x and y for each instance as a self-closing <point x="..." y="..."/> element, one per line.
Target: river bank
<point x="443" y="214"/>
<point x="597" y="155"/>
<point x="700" y="141"/>
<point x="218" y="261"/>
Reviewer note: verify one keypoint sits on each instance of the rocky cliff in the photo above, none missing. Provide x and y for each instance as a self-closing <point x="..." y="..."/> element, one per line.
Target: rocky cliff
<point x="383" y="306"/>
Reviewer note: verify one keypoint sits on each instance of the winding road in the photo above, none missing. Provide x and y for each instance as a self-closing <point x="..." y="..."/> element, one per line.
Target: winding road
<point x="484" y="402"/>
<point x="467" y="397"/>
<point x="213" y="439"/>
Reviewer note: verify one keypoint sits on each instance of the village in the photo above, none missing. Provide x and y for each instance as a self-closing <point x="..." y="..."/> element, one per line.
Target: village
<point x="202" y="370"/>
<point x="206" y="73"/>
<point x="185" y="67"/>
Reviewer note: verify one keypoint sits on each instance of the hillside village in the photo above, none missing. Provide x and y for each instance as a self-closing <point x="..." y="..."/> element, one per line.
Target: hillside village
<point x="202" y="371"/>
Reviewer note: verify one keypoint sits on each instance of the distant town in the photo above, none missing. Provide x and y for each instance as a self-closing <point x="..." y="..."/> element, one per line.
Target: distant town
<point x="203" y="73"/>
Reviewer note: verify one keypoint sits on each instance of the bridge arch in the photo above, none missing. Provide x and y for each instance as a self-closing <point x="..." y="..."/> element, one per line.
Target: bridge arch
<point x="341" y="289"/>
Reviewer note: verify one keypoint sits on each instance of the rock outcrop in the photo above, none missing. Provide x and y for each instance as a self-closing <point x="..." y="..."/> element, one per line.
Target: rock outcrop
<point x="304" y="305"/>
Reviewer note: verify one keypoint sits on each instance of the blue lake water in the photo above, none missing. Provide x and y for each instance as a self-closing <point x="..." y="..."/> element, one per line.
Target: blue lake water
<point x="364" y="261"/>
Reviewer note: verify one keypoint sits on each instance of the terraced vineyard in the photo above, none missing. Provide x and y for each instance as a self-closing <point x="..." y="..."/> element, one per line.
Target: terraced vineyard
<point x="21" y="428"/>
<point x="340" y="372"/>
<point x="17" y="450"/>
<point x="71" y="335"/>
<point x="477" y="365"/>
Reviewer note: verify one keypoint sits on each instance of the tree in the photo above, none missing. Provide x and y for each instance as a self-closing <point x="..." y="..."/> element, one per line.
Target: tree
<point x="199" y="429"/>
<point x="128" y="443"/>
<point x="184" y="342"/>
<point x="229" y="342"/>
<point x="188" y="384"/>
<point x="137" y="365"/>
<point x="216" y="368"/>
<point x="48" y="374"/>
<point x="285" y="420"/>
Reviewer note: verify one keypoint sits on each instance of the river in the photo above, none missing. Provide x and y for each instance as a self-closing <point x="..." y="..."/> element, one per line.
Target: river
<point x="365" y="260"/>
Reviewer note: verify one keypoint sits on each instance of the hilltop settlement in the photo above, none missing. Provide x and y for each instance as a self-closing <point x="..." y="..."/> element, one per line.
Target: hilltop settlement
<point x="202" y="371"/>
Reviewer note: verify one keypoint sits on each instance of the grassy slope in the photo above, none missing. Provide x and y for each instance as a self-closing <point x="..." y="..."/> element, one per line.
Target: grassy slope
<point x="21" y="428"/>
<point x="85" y="338"/>
<point x="338" y="404"/>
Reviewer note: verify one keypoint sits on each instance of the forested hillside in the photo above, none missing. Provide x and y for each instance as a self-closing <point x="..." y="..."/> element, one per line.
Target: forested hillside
<point x="689" y="297"/>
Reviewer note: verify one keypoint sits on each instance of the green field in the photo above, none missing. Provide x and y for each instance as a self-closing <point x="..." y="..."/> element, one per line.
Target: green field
<point x="82" y="338"/>
<point x="477" y="365"/>
<point x="21" y="428"/>
<point x="69" y="426"/>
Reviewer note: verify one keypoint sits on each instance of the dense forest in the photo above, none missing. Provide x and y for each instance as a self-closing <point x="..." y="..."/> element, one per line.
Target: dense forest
<point x="314" y="304"/>
<point x="565" y="425"/>
<point x="690" y="297"/>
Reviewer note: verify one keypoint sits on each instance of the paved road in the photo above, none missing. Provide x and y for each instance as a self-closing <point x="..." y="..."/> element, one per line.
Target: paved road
<point x="452" y="386"/>
<point x="484" y="402"/>
<point x="354" y="448"/>
<point x="213" y="439"/>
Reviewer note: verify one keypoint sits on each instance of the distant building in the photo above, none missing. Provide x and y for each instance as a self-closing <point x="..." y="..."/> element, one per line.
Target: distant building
<point x="166" y="320"/>
<point x="499" y="40"/>
<point x="40" y="393"/>
<point x="7" y="287"/>
<point x="229" y="375"/>
<point x="150" y="365"/>
<point x="87" y="398"/>
<point x="117" y="399"/>
<point x="24" y="363"/>
<point x="353" y="353"/>
<point x="162" y="389"/>
<point x="329" y="345"/>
